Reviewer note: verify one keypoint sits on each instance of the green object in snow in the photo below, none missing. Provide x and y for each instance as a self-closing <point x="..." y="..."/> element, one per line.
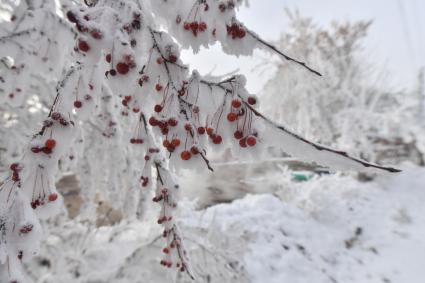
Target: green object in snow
<point x="301" y="177"/>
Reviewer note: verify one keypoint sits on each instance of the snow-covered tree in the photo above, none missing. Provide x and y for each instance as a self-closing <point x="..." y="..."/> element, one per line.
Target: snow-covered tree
<point x="126" y="114"/>
<point x="351" y="107"/>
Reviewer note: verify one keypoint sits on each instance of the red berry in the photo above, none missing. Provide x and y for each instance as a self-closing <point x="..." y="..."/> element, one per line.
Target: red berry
<point x="14" y="167"/>
<point x="186" y="26"/>
<point x="252" y="100"/>
<point x="172" y="58"/>
<point x="194" y="25"/>
<point x="50" y="143"/>
<point x="236" y="103"/>
<point x="53" y="197"/>
<point x="108" y="58"/>
<point x="158" y="87"/>
<point x="15" y="177"/>
<point x="172" y="122"/>
<point x="175" y="142"/>
<point x="56" y="116"/>
<point x="202" y="26"/>
<point x="231" y="117"/>
<point x="194" y="150"/>
<point x="35" y="149"/>
<point x="166" y="251"/>
<point x="162" y="125"/>
<point x="185" y="155"/>
<point x="166" y="143"/>
<point x="242" y="142"/>
<point x="188" y="127"/>
<point x="251" y="141"/>
<point x="210" y="131"/>
<point x="122" y="68"/>
<point x="201" y="130"/>
<point x="158" y="108"/>
<point x="78" y="104"/>
<point x="238" y="135"/>
<point x="241" y="33"/>
<point x="217" y="139"/>
<point x="96" y="34"/>
<point x="83" y="45"/>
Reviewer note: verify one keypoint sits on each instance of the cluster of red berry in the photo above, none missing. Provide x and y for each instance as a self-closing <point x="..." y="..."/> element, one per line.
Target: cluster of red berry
<point x="83" y="45"/>
<point x="135" y="23"/>
<point x="56" y="116"/>
<point x="195" y="27"/>
<point x="136" y="141"/>
<point x="82" y="27"/>
<point x="41" y="201"/>
<point x="49" y="144"/>
<point x="236" y="31"/>
<point x="122" y="67"/>
<point x="174" y="244"/>
<point x="163" y="124"/>
<point x="16" y="168"/>
<point x="244" y="136"/>
<point x="25" y="229"/>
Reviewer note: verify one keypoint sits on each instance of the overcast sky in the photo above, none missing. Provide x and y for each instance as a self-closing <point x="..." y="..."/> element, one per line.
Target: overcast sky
<point x="396" y="41"/>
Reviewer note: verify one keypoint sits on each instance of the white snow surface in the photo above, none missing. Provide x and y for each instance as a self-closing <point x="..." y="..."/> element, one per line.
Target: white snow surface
<point x="306" y="240"/>
<point x="329" y="229"/>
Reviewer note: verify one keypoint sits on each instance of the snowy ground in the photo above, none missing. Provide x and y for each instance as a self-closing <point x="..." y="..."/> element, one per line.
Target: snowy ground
<point x="329" y="229"/>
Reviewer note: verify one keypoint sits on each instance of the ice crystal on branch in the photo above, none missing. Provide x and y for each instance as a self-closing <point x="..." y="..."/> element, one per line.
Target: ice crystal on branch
<point x="119" y="77"/>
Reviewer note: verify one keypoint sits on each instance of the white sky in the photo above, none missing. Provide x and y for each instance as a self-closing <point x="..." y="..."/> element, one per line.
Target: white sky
<point x="396" y="41"/>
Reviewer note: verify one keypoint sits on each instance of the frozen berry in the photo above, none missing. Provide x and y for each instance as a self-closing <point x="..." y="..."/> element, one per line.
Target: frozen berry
<point x="83" y="45"/>
<point x="78" y="104"/>
<point x="53" y="197"/>
<point x="238" y="135"/>
<point x="251" y="141"/>
<point x="252" y="100"/>
<point x="175" y="142"/>
<point x="185" y="155"/>
<point x="217" y="139"/>
<point x="231" y="117"/>
<point x="236" y="103"/>
<point x="50" y="143"/>
<point x="122" y="68"/>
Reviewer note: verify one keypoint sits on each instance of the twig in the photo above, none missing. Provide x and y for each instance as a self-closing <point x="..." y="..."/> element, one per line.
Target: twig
<point x="270" y="46"/>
